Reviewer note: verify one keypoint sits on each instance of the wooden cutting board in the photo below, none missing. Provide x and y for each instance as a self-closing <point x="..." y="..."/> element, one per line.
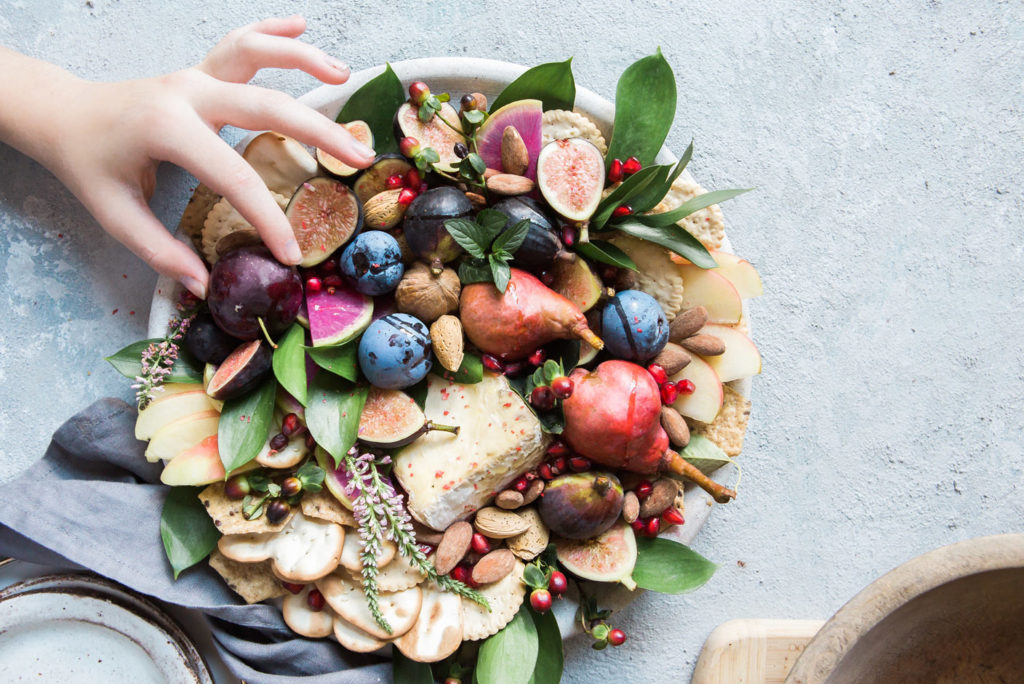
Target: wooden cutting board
<point x="753" y="651"/>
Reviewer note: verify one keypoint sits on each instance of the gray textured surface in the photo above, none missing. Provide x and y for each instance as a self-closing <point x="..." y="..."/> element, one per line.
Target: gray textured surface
<point x="886" y="143"/>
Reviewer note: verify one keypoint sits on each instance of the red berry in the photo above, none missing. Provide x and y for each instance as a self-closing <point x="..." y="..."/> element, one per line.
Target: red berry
<point x="609" y="273"/>
<point x="569" y="235"/>
<point x="669" y="393"/>
<point x="394" y="181"/>
<point x="558" y="448"/>
<point x="537" y="357"/>
<point x="328" y="267"/>
<point x="293" y="587"/>
<point x="521" y="484"/>
<point x="631" y="166"/>
<point x="237" y="487"/>
<point x="290" y="425"/>
<point x="515" y="368"/>
<point x="616" y="637"/>
<point x="332" y="281"/>
<point x="540" y="599"/>
<point x="615" y="171"/>
<point x="562" y="387"/>
<point x="480" y="543"/>
<point x="547" y="277"/>
<point x="413" y="179"/>
<point x="313" y="285"/>
<point x="492" y="363"/>
<point x="622" y="210"/>
<point x="658" y="373"/>
<point x="543" y="398"/>
<point x="544" y="470"/>
<point x="579" y="464"/>
<point x="672" y="516"/>
<point x="557" y="584"/>
<point x="460" y="573"/>
<point x="315" y="600"/>
<point x="644" y="489"/>
<point x="409" y="146"/>
<point x="652" y="526"/>
<point x="686" y="386"/>
<point x="406" y="196"/>
<point x="559" y="465"/>
<point x="637" y="525"/>
<point x="418" y="92"/>
<point x="291" y="486"/>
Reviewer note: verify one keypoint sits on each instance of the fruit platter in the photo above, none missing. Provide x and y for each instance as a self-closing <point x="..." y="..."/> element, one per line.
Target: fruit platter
<point x="507" y="382"/>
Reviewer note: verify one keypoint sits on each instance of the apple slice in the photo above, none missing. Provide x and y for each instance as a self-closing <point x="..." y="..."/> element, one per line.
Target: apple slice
<point x="743" y="276"/>
<point x="197" y="465"/>
<point x="182" y="434"/>
<point x="741" y="358"/>
<point x="166" y="409"/>
<point x="706" y="400"/>
<point x="712" y="291"/>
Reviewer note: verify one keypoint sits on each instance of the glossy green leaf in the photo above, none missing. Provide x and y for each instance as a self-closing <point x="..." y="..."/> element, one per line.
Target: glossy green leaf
<point x="470" y="372"/>
<point x="501" y="272"/>
<point x="669" y="567"/>
<point x="645" y="105"/>
<point x="341" y="360"/>
<point x="631" y="186"/>
<point x="510" y="656"/>
<point x="186" y="529"/>
<point x="674" y="238"/>
<point x="333" y="411"/>
<point x="694" y="204"/>
<point x="128" y="362"/>
<point x="475" y="271"/>
<point x="656" y="191"/>
<point x="551" y="83"/>
<point x="290" y="362"/>
<point x="470" y="236"/>
<point x="405" y="671"/>
<point x="376" y="103"/>
<point x="708" y="457"/>
<point x="245" y="425"/>
<point x="513" y="237"/>
<point x="491" y="222"/>
<point x="605" y="253"/>
<point x="550" y="653"/>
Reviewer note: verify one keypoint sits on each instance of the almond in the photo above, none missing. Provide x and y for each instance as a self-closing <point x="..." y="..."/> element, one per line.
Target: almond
<point x="532" y="492"/>
<point x="661" y="497"/>
<point x="509" y="184"/>
<point x="478" y="201"/>
<point x="498" y="524"/>
<point x="676" y="427"/>
<point x="704" y="345"/>
<point x="534" y="540"/>
<point x="630" y="507"/>
<point x="509" y="499"/>
<point x="383" y="211"/>
<point x="687" y="323"/>
<point x="446" y="338"/>
<point x="453" y="546"/>
<point x="672" y="358"/>
<point x="491" y="173"/>
<point x="515" y="158"/>
<point x="494" y="566"/>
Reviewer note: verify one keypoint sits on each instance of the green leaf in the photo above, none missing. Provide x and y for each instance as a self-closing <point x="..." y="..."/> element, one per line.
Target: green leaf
<point x="501" y="272"/>
<point x="128" y="362"/>
<point x="550" y="653"/>
<point x="405" y="671"/>
<point x="245" y="425"/>
<point x="429" y="155"/>
<point x="376" y="103"/>
<point x="311" y="476"/>
<point x="669" y="567"/>
<point x="470" y="236"/>
<point x="551" y="370"/>
<point x="474" y="117"/>
<point x="475" y="271"/>
<point x="290" y="362"/>
<point x="674" y="238"/>
<point x="477" y="162"/>
<point x="606" y="253"/>
<point x="470" y="372"/>
<point x="186" y="529"/>
<point x="535" y="577"/>
<point x="510" y="656"/>
<point x="512" y="238"/>
<point x="633" y="185"/>
<point x="708" y="457"/>
<point x="341" y="360"/>
<point x="694" y="204"/>
<point x="491" y="222"/>
<point x="333" y="412"/>
<point x="551" y="83"/>
<point x="645" y="105"/>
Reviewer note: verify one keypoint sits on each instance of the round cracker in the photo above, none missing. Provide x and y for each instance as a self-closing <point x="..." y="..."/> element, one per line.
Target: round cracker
<point x="355" y="639"/>
<point x="707" y="225"/>
<point x="398" y="575"/>
<point x="399" y="608"/>
<point x="307" y="549"/>
<point x="351" y="553"/>
<point x="303" y="620"/>
<point x="247" y="548"/>
<point x="438" y="629"/>
<point x="657" y="274"/>
<point x="504" y="596"/>
<point x="559" y="124"/>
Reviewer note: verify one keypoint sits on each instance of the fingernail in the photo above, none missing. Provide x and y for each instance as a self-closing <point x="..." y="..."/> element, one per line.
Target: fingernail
<point x="292" y="252"/>
<point x="336" y="64"/>
<point x="194" y="286"/>
<point x="362" y="150"/>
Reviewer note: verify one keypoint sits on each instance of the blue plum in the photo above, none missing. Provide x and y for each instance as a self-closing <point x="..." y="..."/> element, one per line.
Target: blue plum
<point x="394" y="352"/>
<point x="374" y="262"/>
<point x="633" y="326"/>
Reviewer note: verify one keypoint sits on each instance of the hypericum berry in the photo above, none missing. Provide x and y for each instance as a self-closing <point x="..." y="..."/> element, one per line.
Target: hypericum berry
<point x="409" y="147"/>
<point x="544" y="470"/>
<point x="557" y="585"/>
<point x="480" y="544"/>
<point x="413" y="179"/>
<point x="521" y="484"/>
<point x="537" y="357"/>
<point x="467" y="102"/>
<point x="622" y="210"/>
<point x="669" y="393"/>
<point x="418" y="92"/>
<point x="278" y="441"/>
<point x="291" y="486"/>
<point x="461" y="573"/>
<point x="394" y="181"/>
<point x="616" y="637"/>
<point x="543" y="398"/>
<point x="315" y="600"/>
<point x="460" y="149"/>
<point x="686" y="386"/>
<point x="406" y="196"/>
<point x="562" y="387"/>
<point x="293" y="587"/>
<point x="314" y="285"/>
<point x="290" y="425"/>
<point x="237" y="487"/>
<point x="652" y="526"/>
<point x="672" y="516"/>
<point x="658" y="373"/>
<point x="615" y="171"/>
<point x="609" y="273"/>
<point x="277" y="511"/>
<point x="492" y="363"/>
<point x="568" y="235"/>
<point x="557" y="448"/>
<point x="540" y="600"/>
<point x="580" y="464"/>
<point x="631" y="166"/>
<point x="643" y="489"/>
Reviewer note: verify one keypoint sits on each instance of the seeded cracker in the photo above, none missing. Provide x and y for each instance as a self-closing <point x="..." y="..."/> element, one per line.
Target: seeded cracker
<point x="324" y="506"/>
<point x="223" y="220"/>
<point x="227" y="514"/>
<point x="706" y="225"/>
<point x="657" y="274"/>
<point x="559" y="124"/>
<point x="730" y="425"/>
<point x="254" y="582"/>
<point x="504" y="596"/>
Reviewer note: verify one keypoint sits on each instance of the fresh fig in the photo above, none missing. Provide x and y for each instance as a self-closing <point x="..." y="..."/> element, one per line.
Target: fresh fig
<point x="360" y="130"/>
<point x="575" y="281"/>
<point x="243" y="370"/>
<point x="542" y="245"/>
<point x="392" y="419"/>
<point x="424" y="224"/>
<point x="570" y="174"/>
<point x="207" y="342"/>
<point x="609" y="557"/>
<point x="526" y="116"/>
<point x="337" y="315"/>
<point x="324" y="214"/>
<point x="434" y="133"/>
<point x="248" y="286"/>
<point x="374" y="179"/>
<point x="581" y="505"/>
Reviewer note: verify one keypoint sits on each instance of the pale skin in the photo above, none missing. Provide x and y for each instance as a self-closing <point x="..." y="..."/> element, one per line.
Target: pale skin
<point x="104" y="141"/>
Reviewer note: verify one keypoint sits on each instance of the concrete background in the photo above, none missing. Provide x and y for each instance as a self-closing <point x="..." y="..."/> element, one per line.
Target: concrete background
<point x="886" y="142"/>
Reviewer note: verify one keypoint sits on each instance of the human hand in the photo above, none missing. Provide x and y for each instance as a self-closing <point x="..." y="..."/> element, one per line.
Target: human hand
<point x="105" y="140"/>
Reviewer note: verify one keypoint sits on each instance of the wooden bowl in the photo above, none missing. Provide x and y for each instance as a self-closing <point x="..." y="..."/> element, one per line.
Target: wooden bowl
<point x="955" y="614"/>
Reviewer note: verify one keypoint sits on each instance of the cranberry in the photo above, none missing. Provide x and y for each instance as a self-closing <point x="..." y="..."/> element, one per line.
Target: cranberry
<point x="540" y="600"/>
<point x="413" y="179"/>
<point x="652" y="526"/>
<point x="290" y="425"/>
<point x="394" y="181"/>
<point x="631" y="166"/>
<point x="616" y="637"/>
<point x="291" y="486"/>
<point x="562" y="387"/>
<point x="615" y="171"/>
<point x="406" y="196"/>
<point x="315" y="600"/>
<point x="544" y="470"/>
<point x="658" y="373"/>
<point x="328" y="267"/>
<point x="672" y="516"/>
<point x="643" y="489"/>
<point x="521" y="484"/>
<point x="278" y="441"/>
<point x="558" y="448"/>
<point x="669" y="393"/>
<point x="409" y="146"/>
<point x="293" y="587"/>
<point x="622" y="210"/>
<point x="237" y="487"/>
<point x="492" y="363"/>
<point x="313" y="285"/>
<point x="686" y="386"/>
<point x="569" y="235"/>
<point x="277" y="511"/>
<point x="538" y="357"/>
<point x="418" y="92"/>
<point x="579" y="464"/>
<point x="557" y="584"/>
<point x="480" y="544"/>
<point x="543" y="398"/>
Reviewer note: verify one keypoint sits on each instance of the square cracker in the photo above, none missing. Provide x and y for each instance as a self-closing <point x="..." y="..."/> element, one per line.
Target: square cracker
<point x="254" y="582"/>
<point x="324" y="506"/>
<point x="729" y="427"/>
<point x="227" y="513"/>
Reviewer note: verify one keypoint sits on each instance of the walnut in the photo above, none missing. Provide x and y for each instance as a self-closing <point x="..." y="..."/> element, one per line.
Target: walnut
<point x="426" y="296"/>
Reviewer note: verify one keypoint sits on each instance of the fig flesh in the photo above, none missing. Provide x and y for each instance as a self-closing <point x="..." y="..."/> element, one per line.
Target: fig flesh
<point x="581" y="505"/>
<point x="374" y="179"/>
<point x="575" y="281"/>
<point x="542" y="245"/>
<point x="242" y="371"/>
<point x="424" y="224"/>
<point x="526" y="116"/>
<point x="609" y="557"/>
<point x="570" y="174"/>
<point x="392" y="419"/>
<point x="324" y="214"/>
<point x="434" y="133"/>
<point x="249" y="285"/>
<point x="360" y="130"/>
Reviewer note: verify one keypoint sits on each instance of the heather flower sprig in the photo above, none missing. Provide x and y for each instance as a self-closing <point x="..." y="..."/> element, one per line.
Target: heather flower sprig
<point x="158" y="358"/>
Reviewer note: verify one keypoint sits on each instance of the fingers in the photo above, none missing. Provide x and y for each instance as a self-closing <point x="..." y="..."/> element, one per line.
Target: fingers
<point x="289" y="27"/>
<point x="199" y="150"/>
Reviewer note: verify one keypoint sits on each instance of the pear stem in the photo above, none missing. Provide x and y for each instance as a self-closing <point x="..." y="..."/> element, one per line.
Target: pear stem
<point x="589" y="336"/>
<point x="674" y="463"/>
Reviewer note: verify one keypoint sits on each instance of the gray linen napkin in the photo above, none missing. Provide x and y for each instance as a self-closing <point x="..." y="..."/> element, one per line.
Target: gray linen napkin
<point x="94" y="502"/>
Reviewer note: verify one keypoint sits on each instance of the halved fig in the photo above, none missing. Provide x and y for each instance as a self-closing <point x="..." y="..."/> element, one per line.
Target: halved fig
<point x="434" y="133"/>
<point x="575" y="281"/>
<point x="242" y="371"/>
<point x="570" y="174"/>
<point x="360" y="130"/>
<point x="374" y="178"/>
<point x="337" y="315"/>
<point x="609" y="557"/>
<point x="391" y="419"/>
<point x="325" y="214"/>
<point x="282" y="163"/>
<point x="526" y="116"/>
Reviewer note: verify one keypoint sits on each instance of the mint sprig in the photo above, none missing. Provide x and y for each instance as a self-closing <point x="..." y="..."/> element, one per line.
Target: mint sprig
<point x="490" y="246"/>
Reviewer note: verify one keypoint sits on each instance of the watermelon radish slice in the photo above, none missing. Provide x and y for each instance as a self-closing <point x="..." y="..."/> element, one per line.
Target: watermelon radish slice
<point x="337" y="315"/>
<point x="527" y="117"/>
<point x="391" y="419"/>
<point x="335" y="479"/>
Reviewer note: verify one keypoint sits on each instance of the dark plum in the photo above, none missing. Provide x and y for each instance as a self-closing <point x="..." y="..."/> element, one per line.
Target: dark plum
<point x="395" y="351"/>
<point x="424" y="224"/>
<point x="542" y="245"/>
<point x="207" y="342"/>
<point x="243" y="370"/>
<point x="248" y="285"/>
